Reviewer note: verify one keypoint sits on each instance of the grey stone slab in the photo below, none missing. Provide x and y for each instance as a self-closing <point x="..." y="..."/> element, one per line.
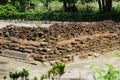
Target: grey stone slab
<point x="15" y="54"/>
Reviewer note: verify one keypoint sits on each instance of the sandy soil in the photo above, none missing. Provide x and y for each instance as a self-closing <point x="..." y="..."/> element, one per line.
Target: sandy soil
<point x="79" y="69"/>
<point x="4" y="23"/>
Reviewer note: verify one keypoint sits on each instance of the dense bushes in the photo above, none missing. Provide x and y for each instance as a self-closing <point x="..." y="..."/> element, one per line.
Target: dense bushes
<point x="9" y="12"/>
<point x="60" y="16"/>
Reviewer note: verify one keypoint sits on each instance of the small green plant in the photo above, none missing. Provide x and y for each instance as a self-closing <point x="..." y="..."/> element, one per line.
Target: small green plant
<point x="35" y="78"/>
<point x="44" y="76"/>
<point x="23" y="74"/>
<point x="56" y="70"/>
<point x="111" y="74"/>
<point x="14" y="75"/>
<point x="117" y="54"/>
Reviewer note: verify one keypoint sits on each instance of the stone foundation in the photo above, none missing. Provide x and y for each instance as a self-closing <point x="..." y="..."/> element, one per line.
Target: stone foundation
<point x="60" y="42"/>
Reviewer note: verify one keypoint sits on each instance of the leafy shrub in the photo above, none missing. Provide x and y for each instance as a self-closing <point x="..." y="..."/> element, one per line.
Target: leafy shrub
<point x="117" y="8"/>
<point x="23" y="74"/>
<point x="58" y="16"/>
<point x="57" y="69"/>
<point x="7" y="10"/>
<point x="14" y="75"/>
<point x="101" y="74"/>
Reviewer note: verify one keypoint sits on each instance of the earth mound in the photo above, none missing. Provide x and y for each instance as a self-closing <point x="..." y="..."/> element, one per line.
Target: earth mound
<point x="60" y="42"/>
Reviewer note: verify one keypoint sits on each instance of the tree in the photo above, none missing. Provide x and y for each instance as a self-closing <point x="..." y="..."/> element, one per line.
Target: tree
<point x="105" y="5"/>
<point x="13" y="2"/>
<point x="46" y="2"/>
<point x="85" y="3"/>
<point x="2" y="2"/>
<point x="69" y="5"/>
<point x="21" y="5"/>
<point x="24" y="4"/>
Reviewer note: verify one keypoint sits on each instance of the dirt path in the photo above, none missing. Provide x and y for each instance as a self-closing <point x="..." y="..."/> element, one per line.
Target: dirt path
<point x="10" y="64"/>
<point x="4" y="23"/>
<point x="75" y="70"/>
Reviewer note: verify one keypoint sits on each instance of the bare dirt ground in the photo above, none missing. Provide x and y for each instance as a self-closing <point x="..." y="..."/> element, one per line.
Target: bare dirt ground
<point x="79" y="69"/>
<point x="4" y="23"/>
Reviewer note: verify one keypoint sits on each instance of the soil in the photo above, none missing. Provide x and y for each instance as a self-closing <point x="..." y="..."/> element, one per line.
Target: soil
<point x="76" y="70"/>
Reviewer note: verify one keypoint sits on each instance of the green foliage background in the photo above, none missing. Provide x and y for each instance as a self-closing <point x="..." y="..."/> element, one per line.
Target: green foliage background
<point x="9" y="11"/>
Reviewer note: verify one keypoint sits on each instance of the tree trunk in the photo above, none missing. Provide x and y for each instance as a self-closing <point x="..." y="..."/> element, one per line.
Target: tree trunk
<point x="108" y="5"/>
<point x="103" y="6"/>
<point x="100" y="5"/>
<point x="74" y="8"/>
<point x="64" y="6"/>
<point x="23" y="6"/>
<point x="3" y="2"/>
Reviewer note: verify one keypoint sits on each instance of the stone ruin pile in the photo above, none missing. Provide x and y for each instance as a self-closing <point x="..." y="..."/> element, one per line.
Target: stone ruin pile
<point x="61" y="42"/>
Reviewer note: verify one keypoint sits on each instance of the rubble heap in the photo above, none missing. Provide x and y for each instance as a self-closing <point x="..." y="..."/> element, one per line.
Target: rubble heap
<point x="61" y="42"/>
